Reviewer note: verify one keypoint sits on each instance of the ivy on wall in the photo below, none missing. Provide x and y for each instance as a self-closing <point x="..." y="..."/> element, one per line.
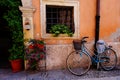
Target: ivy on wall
<point x="13" y="18"/>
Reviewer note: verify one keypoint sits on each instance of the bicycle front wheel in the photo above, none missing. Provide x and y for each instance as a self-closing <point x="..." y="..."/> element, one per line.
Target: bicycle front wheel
<point x="78" y="63"/>
<point x="109" y="58"/>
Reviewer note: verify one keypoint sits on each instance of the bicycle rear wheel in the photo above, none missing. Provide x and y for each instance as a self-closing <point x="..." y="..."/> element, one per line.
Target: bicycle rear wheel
<point x="109" y="58"/>
<point x="78" y="63"/>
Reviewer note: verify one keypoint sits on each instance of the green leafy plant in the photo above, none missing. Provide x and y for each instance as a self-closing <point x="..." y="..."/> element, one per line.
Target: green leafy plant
<point x="16" y="53"/>
<point x="60" y="29"/>
<point x="14" y="20"/>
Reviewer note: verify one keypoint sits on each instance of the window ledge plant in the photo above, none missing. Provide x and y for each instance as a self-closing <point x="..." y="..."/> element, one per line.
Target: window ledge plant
<point x="35" y="51"/>
<point x="58" y="29"/>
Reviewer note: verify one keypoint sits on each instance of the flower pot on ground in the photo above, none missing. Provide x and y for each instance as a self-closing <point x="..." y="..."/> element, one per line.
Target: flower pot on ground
<point x="16" y="65"/>
<point x="16" y="58"/>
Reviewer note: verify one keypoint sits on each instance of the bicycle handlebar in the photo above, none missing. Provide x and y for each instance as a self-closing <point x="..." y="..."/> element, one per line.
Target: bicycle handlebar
<point x="84" y="38"/>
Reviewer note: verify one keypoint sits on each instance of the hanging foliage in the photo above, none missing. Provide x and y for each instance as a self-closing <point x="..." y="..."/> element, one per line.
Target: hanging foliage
<point x="13" y="18"/>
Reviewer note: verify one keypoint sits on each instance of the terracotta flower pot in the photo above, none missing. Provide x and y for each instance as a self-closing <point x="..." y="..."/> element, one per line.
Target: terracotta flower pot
<point x="16" y="65"/>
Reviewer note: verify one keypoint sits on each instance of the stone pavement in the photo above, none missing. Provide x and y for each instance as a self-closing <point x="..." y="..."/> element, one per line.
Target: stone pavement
<point x="93" y="74"/>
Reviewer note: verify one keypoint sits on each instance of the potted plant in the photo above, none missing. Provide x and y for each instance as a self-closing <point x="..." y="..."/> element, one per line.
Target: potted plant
<point x="14" y="24"/>
<point x="35" y="51"/>
<point x="60" y="29"/>
<point x="16" y="58"/>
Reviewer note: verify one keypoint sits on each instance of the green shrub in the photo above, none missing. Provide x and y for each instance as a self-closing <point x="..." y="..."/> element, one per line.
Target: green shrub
<point x="14" y="23"/>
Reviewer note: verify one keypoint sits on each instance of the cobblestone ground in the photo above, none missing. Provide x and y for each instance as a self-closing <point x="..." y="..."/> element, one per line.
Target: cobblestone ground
<point x="6" y="74"/>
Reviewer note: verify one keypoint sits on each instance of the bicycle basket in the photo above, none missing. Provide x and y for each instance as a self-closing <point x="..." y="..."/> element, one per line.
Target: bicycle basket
<point x="77" y="44"/>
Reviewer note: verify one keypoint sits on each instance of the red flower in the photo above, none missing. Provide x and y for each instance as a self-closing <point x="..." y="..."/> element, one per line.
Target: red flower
<point x="41" y="56"/>
<point x="40" y="46"/>
<point x="31" y="46"/>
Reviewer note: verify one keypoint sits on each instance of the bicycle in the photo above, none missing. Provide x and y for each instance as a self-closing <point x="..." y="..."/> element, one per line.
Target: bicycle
<point x="79" y="61"/>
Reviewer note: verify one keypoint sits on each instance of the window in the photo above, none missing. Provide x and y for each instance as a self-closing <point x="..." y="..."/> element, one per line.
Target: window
<point x="57" y="12"/>
<point x="59" y="15"/>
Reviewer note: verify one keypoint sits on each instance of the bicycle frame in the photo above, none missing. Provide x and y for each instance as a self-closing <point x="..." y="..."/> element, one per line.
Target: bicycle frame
<point x="85" y="50"/>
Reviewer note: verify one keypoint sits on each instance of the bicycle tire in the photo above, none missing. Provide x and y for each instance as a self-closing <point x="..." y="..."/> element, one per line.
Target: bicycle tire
<point x="78" y="63"/>
<point x="110" y="59"/>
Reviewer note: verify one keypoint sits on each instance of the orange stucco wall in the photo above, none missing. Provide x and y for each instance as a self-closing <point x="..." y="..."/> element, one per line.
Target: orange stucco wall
<point x="36" y="18"/>
<point x="109" y="18"/>
<point x="87" y="20"/>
